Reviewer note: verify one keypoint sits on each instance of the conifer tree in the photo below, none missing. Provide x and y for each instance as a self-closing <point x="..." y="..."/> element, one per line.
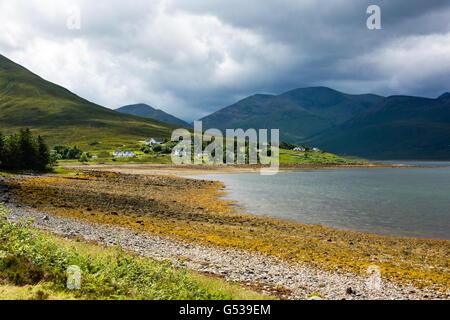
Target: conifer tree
<point x="2" y="143"/>
<point x="28" y="150"/>
<point x="43" y="159"/>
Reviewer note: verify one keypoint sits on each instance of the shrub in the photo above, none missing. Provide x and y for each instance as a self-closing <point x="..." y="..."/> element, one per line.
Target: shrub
<point x="84" y="158"/>
<point x="68" y="153"/>
<point x="157" y="148"/>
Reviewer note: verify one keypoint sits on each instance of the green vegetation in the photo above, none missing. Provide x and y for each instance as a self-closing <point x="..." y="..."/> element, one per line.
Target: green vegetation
<point x="61" y="117"/>
<point x="161" y="154"/>
<point x="289" y="156"/>
<point x="37" y="263"/>
<point x="24" y="152"/>
<point x="68" y="153"/>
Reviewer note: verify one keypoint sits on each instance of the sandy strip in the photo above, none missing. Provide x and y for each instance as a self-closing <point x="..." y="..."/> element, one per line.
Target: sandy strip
<point x="155" y="169"/>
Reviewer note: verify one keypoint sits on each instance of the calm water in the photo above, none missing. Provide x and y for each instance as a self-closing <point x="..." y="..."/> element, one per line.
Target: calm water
<point x="399" y="202"/>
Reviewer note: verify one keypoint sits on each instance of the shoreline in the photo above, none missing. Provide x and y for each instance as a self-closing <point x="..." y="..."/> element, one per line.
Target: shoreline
<point x="216" y="226"/>
<point x="164" y="169"/>
<point x="265" y="274"/>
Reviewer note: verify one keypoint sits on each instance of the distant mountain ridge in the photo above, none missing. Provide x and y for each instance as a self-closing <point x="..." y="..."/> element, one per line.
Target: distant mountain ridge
<point x="444" y="95"/>
<point x="299" y="113"/>
<point x="146" y="111"/>
<point x="401" y="127"/>
<point x="372" y="126"/>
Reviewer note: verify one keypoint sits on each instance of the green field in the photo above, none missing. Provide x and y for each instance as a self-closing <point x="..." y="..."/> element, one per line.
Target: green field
<point x="286" y="157"/>
<point x="289" y="156"/>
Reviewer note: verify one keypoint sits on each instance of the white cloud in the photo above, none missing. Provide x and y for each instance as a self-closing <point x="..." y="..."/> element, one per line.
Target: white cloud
<point x="405" y="65"/>
<point x="192" y="57"/>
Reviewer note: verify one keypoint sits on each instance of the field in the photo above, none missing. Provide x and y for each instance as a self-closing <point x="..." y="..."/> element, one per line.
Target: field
<point x="286" y="157"/>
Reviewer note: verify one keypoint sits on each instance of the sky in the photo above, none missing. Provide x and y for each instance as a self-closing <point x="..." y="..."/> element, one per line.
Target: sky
<point x="193" y="57"/>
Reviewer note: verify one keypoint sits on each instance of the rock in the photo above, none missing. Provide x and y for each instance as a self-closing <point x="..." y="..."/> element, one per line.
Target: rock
<point x="350" y="291"/>
<point x="45" y="218"/>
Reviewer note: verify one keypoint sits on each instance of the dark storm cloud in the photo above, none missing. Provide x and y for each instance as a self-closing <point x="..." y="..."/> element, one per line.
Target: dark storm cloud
<point x="193" y="57"/>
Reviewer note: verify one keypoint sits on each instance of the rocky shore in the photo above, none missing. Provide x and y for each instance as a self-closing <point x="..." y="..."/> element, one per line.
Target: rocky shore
<point x="288" y="278"/>
<point x="266" y="273"/>
<point x="159" y="169"/>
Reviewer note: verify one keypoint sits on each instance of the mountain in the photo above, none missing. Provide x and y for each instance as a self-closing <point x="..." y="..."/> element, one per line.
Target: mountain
<point x="400" y="127"/>
<point x="444" y="95"/>
<point x="146" y="111"/>
<point x="298" y="114"/>
<point x="27" y="100"/>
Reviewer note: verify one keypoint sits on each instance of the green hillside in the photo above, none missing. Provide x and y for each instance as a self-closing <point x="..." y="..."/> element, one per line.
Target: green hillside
<point x="146" y="111"/>
<point x="26" y="100"/>
<point x="400" y="127"/>
<point x="298" y="113"/>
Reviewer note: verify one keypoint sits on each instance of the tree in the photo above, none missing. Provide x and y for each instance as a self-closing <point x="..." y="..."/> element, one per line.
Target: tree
<point x="2" y="143"/>
<point x="68" y="153"/>
<point x="11" y="159"/>
<point x="24" y="152"/>
<point x="28" y="151"/>
<point x="43" y="155"/>
<point x="84" y="158"/>
<point x="157" y="148"/>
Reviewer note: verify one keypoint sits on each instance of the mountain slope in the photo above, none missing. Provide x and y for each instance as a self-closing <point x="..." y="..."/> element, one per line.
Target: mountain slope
<point x="400" y="127"/>
<point x="298" y="113"/>
<point x="26" y="100"/>
<point x="146" y="111"/>
<point x="444" y="95"/>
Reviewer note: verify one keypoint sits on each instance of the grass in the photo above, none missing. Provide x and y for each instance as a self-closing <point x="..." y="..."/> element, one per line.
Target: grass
<point x="286" y="157"/>
<point x="33" y="266"/>
<point x="63" y="171"/>
<point x="289" y="156"/>
<point x="61" y="117"/>
<point x="5" y="173"/>
<point x="33" y="292"/>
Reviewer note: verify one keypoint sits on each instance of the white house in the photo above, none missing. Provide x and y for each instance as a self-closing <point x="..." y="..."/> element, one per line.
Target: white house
<point x="94" y="157"/>
<point x="178" y="153"/>
<point x="203" y="155"/>
<point x="152" y="142"/>
<point x="123" y="154"/>
<point x="301" y="149"/>
<point x="316" y="150"/>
